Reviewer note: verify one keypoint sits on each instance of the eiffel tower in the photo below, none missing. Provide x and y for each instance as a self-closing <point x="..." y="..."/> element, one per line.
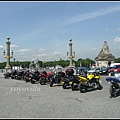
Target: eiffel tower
<point x="104" y="58"/>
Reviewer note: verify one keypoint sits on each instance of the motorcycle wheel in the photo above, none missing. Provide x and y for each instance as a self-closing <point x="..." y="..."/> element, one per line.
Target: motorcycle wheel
<point x="5" y="77"/>
<point x="64" y="86"/>
<point x="112" y="90"/>
<point x="32" y="82"/>
<point x="82" y="88"/>
<point x="19" y="78"/>
<point x="51" y="84"/>
<point x="99" y="86"/>
<point x="12" y="77"/>
<point x="42" y="81"/>
<point x="27" y="79"/>
<point x="73" y="87"/>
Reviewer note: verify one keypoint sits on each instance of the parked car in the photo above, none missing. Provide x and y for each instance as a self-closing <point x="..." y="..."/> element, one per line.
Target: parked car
<point x="80" y="69"/>
<point x="104" y="71"/>
<point x="114" y="69"/>
<point x="93" y="70"/>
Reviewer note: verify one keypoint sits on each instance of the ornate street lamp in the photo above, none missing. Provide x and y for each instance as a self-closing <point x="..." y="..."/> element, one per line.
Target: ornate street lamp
<point x="7" y="54"/>
<point x="70" y="54"/>
<point x="14" y="63"/>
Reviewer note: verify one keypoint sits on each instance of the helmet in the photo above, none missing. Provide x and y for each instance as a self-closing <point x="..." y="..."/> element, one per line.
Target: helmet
<point x="69" y="72"/>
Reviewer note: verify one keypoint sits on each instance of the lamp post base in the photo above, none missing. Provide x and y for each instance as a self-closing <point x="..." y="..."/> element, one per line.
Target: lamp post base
<point x="7" y="68"/>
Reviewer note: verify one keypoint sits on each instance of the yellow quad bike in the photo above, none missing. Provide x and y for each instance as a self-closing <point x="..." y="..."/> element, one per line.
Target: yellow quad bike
<point x="92" y="81"/>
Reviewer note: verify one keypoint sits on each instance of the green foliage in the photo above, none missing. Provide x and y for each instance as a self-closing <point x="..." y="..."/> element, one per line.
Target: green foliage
<point x="2" y="65"/>
<point x="117" y="60"/>
<point x="80" y="62"/>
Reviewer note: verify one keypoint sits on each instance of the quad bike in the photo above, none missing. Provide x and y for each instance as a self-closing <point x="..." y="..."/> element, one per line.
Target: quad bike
<point x="90" y="82"/>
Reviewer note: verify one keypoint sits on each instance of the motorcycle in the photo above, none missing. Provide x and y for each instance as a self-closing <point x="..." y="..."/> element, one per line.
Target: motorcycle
<point x="45" y="77"/>
<point x="75" y="81"/>
<point x="68" y="78"/>
<point x="14" y="74"/>
<point x="92" y="81"/>
<point x="7" y="75"/>
<point x="56" y="78"/>
<point x="26" y="75"/>
<point x="34" y="77"/>
<point x="115" y="85"/>
<point x="19" y="75"/>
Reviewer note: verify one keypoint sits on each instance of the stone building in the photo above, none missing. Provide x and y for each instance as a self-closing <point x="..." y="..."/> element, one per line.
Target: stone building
<point x="104" y="58"/>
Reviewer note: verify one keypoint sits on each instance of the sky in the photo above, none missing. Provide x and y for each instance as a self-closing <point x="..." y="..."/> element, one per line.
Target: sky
<point x="42" y="29"/>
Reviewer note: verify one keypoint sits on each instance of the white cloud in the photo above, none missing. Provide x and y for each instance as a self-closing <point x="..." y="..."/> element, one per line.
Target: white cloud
<point x="14" y="46"/>
<point x="42" y="55"/>
<point x="85" y="16"/>
<point x="1" y="47"/>
<point x="56" y="53"/>
<point x="24" y="50"/>
<point x="41" y="50"/>
<point x="93" y="48"/>
<point x="117" y="39"/>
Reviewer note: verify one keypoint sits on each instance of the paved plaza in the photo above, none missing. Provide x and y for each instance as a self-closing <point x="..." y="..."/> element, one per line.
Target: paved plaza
<point x="19" y="99"/>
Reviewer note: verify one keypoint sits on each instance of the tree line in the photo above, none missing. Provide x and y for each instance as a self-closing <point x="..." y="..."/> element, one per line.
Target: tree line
<point x="80" y="62"/>
<point x="25" y="64"/>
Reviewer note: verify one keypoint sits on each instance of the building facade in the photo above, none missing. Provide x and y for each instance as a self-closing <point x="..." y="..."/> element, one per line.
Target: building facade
<point x="104" y="58"/>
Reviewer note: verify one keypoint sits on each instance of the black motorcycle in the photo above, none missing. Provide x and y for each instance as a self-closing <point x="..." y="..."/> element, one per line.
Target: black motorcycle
<point x="7" y="75"/>
<point x="26" y="75"/>
<point x="114" y="86"/>
<point x="14" y="74"/>
<point x="56" y="78"/>
<point x="68" y="77"/>
<point x="19" y="75"/>
<point x="74" y="80"/>
<point x="34" y="77"/>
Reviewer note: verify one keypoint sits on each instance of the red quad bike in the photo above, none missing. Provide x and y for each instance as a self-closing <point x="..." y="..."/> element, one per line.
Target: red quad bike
<point x="45" y="77"/>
